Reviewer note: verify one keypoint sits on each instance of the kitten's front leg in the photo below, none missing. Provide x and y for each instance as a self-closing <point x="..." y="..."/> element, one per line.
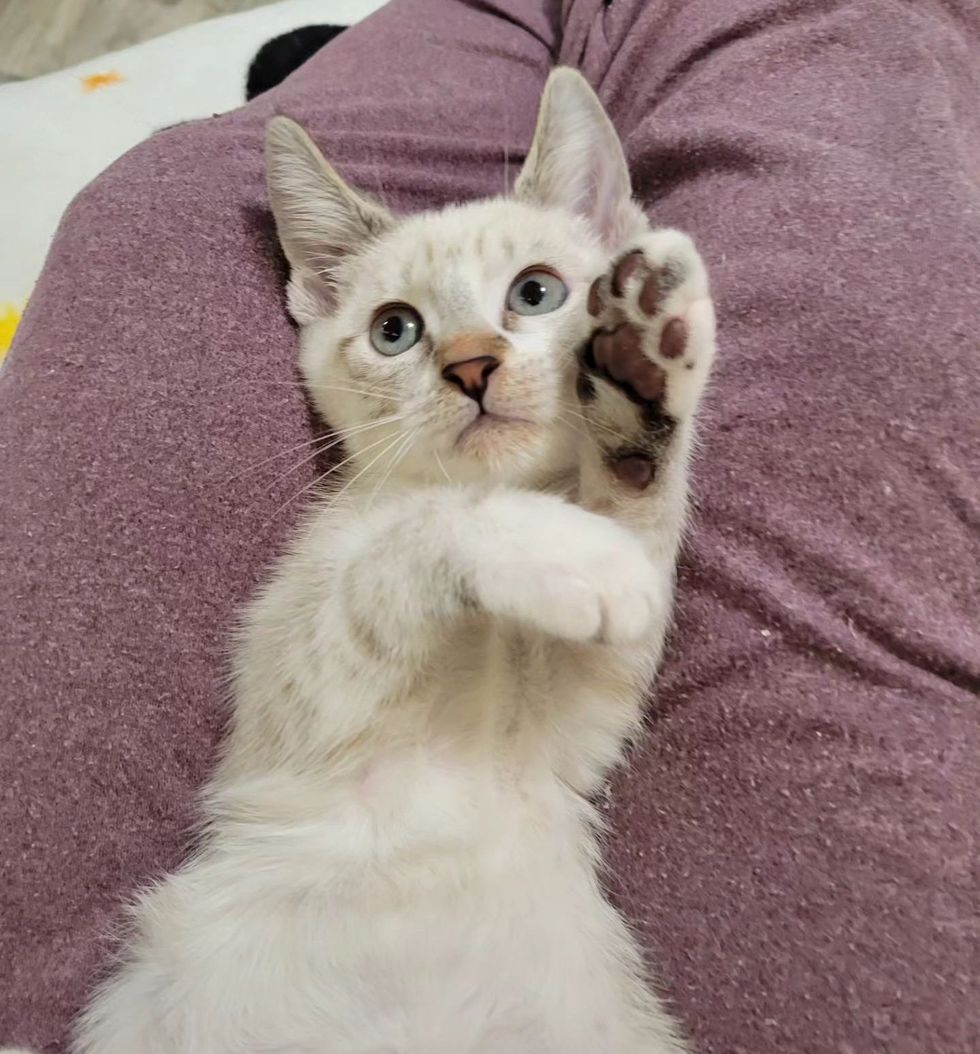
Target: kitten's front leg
<point x="359" y="610"/>
<point x="643" y="372"/>
<point x="533" y="558"/>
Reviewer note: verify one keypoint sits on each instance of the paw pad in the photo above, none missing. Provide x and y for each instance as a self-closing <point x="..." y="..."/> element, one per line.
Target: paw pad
<point x="673" y="339"/>
<point x="631" y="265"/>
<point x="635" y="470"/>
<point x="618" y="357"/>
<point x="655" y="282"/>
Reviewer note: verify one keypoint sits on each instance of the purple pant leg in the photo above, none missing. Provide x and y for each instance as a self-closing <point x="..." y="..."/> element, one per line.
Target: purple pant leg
<point x="155" y="364"/>
<point x="797" y="839"/>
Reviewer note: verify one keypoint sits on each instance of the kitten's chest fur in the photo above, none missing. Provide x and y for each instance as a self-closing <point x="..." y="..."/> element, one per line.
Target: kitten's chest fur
<point x="480" y="759"/>
<point x="521" y="701"/>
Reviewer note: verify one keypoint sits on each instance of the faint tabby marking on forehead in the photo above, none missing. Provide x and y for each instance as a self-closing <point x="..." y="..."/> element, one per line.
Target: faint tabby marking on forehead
<point x="408" y="272"/>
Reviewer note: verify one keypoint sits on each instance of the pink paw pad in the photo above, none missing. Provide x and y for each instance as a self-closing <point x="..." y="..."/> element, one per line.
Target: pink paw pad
<point x="631" y="265"/>
<point x="673" y="339"/>
<point x="635" y="470"/>
<point x="619" y="355"/>
<point x="655" y="283"/>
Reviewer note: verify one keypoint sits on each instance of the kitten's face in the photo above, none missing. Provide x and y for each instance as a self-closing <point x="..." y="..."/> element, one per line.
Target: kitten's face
<point x="444" y="345"/>
<point x="452" y="349"/>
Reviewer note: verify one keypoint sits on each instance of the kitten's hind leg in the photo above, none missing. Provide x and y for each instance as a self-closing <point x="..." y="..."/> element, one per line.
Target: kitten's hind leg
<point x="642" y="375"/>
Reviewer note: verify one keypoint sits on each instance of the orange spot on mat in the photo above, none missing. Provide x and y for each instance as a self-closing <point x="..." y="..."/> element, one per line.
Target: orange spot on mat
<point x="9" y="317"/>
<point x="94" y="81"/>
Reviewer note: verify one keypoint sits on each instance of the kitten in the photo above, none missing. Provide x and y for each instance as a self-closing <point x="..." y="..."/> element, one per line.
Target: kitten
<point x="401" y="855"/>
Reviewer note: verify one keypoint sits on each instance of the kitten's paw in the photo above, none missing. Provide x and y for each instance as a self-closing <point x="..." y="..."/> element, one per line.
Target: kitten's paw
<point x="654" y="344"/>
<point x="583" y="578"/>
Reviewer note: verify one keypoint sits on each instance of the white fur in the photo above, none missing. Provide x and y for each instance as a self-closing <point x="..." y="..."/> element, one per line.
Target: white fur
<point x="400" y="855"/>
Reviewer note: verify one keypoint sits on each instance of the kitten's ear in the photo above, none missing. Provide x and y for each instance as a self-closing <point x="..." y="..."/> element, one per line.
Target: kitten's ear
<point x="576" y="161"/>
<point x="320" y="219"/>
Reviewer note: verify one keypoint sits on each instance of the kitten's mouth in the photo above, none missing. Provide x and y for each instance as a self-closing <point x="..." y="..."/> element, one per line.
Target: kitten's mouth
<point x="488" y="422"/>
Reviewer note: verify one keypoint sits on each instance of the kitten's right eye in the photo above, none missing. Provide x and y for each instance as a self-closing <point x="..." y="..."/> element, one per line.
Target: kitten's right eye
<point x="396" y="329"/>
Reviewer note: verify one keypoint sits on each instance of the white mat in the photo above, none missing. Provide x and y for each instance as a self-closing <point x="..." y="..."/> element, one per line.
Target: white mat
<point x="58" y="132"/>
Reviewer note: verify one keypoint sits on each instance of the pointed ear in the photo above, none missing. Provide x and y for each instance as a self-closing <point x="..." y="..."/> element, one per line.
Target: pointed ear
<point x="576" y="161"/>
<point x="320" y="219"/>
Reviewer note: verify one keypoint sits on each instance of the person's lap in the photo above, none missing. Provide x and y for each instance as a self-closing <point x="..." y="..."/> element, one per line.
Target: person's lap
<point x="793" y="836"/>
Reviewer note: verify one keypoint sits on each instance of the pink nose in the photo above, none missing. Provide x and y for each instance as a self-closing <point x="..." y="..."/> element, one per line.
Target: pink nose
<point x="472" y="375"/>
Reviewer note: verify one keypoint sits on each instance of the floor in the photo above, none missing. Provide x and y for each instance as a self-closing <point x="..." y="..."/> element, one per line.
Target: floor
<point x="40" y="36"/>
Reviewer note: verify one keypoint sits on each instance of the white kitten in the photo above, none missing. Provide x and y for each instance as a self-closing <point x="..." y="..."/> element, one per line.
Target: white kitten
<point x="401" y="856"/>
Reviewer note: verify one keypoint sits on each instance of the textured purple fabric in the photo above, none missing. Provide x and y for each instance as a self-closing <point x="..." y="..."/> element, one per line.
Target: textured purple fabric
<point x="796" y="839"/>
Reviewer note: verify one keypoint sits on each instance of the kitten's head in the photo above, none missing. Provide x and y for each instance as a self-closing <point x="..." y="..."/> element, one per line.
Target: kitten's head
<point x="445" y="343"/>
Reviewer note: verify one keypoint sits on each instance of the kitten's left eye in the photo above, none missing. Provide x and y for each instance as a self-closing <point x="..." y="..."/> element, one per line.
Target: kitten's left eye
<point x="396" y="329"/>
<point x="536" y="292"/>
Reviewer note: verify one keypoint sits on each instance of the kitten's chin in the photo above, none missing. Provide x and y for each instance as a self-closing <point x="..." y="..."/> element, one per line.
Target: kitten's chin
<point x="501" y="448"/>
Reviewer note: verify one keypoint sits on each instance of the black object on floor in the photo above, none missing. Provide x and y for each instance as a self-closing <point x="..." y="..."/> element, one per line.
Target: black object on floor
<point x="277" y="58"/>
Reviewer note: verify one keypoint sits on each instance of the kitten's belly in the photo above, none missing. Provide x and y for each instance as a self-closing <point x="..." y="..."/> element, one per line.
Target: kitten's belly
<point x="421" y="902"/>
<point x="474" y="964"/>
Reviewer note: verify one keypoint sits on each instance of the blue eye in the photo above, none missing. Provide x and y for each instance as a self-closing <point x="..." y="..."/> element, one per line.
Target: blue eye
<point x="536" y="292"/>
<point x="396" y="329"/>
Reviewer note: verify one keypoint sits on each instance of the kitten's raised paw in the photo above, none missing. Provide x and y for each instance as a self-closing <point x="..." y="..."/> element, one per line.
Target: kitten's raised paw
<point x="654" y="344"/>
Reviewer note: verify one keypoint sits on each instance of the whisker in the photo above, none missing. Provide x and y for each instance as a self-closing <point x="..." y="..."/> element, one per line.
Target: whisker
<point x="354" y="391"/>
<point x="443" y="467"/>
<point x="399" y="455"/>
<point x="574" y="427"/>
<point x="350" y="483"/>
<point x="310" y="457"/>
<point x="365" y="425"/>
<point x="303" y="386"/>
<point x="273" y="457"/>
<point x="506" y="154"/>
<point x="402" y="454"/>
<point x="266" y="382"/>
<point x="323" y="476"/>
<point x="582" y="432"/>
<point x="343" y="433"/>
<point x="608" y="433"/>
<point x="594" y="424"/>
